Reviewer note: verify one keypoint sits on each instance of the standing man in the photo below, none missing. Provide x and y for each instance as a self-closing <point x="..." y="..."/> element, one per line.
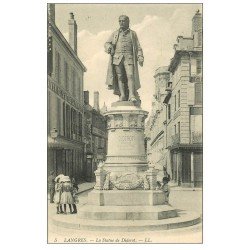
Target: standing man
<point x="51" y="186"/>
<point x="125" y="51"/>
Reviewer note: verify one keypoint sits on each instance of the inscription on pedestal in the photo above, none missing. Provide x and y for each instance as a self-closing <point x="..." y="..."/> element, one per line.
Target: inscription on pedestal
<point x="126" y="142"/>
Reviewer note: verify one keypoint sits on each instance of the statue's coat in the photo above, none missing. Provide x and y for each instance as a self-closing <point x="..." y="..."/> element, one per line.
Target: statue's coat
<point x="111" y="80"/>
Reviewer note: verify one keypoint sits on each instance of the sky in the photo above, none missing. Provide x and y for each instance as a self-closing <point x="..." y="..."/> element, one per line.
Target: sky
<point x="157" y="27"/>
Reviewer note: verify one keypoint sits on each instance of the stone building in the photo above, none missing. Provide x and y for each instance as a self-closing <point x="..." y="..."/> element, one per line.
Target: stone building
<point x="65" y="100"/>
<point x="96" y="135"/>
<point x="184" y="109"/>
<point x="155" y="129"/>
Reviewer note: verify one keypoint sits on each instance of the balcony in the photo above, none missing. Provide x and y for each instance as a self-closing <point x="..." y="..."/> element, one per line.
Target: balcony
<point x="175" y="139"/>
<point x="196" y="137"/>
<point x="195" y="78"/>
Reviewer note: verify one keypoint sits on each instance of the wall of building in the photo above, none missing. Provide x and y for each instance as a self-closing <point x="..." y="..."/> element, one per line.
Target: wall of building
<point x="65" y="107"/>
<point x="184" y="127"/>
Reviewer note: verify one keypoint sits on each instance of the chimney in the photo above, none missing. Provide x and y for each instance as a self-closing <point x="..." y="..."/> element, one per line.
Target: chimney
<point x="86" y="97"/>
<point x="51" y="12"/>
<point x="72" y="32"/>
<point x="96" y="100"/>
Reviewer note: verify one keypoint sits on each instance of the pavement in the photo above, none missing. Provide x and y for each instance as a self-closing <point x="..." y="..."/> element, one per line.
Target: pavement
<point x="175" y="187"/>
<point x="181" y="198"/>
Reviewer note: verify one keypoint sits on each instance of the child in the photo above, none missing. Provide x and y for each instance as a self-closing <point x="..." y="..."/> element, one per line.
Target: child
<point x="75" y="197"/>
<point x="66" y="196"/>
<point x="57" y="196"/>
<point x="74" y="183"/>
<point x="158" y="187"/>
<point x="165" y="188"/>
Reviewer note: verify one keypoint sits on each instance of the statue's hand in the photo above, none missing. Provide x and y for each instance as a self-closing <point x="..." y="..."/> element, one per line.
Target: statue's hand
<point x="141" y="63"/>
<point x="112" y="51"/>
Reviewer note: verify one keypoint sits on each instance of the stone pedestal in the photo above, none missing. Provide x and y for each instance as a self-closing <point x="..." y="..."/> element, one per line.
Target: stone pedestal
<point x="125" y="196"/>
<point x="125" y="178"/>
<point x="126" y="150"/>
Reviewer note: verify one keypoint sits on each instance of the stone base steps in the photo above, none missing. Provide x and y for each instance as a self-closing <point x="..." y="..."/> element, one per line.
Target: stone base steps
<point x="72" y="221"/>
<point x="158" y="212"/>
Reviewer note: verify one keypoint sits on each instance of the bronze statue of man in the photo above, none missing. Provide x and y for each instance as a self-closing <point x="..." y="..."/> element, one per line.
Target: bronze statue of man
<point x="125" y="51"/>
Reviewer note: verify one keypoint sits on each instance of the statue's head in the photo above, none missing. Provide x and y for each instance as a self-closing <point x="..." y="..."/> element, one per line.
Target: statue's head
<point x="124" y="22"/>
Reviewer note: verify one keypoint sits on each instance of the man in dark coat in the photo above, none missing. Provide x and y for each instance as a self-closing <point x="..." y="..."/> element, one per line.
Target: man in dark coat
<point x="125" y="51"/>
<point x="51" y="186"/>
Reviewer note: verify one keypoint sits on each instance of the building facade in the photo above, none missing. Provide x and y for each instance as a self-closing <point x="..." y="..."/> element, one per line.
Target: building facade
<point x="174" y="130"/>
<point x="184" y="109"/>
<point x="96" y="135"/>
<point x="65" y="113"/>
<point x="155" y="129"/>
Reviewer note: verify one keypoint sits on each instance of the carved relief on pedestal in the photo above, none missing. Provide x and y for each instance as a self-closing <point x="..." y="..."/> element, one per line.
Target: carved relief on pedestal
<point x="127" y="181"/>
<point x="106" y="185"/>
<point x="146" y="185"/>
<point x="110" y="121"/>
<point x="133" y="121"/>
<point x="142" y="120"/>
<point x="118" y="121"/>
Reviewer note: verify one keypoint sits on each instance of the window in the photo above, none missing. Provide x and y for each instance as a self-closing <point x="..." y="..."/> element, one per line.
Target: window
<point x="59" y="116"/>
<point x="50" y="56"/>
<point x="58" y="67"/>
<point x="199" y="38"/>
<point x="66" y="75"/>
<point x="198" y="66"/>
<point x="79" y="89"/>
<point x="179" y="128"/>
<point x="198" y="93"/>
<point x="169" y="111"/>
<point x="175" y="129"/>
<point x="56" y="64"/>
<point x="64" y="119"/>
<point x="73" y="83"/>
<point x="179" y="98"/>
<point x="80" y="124"/>
<point x="48" y="112"/>
<point x="175" y="103"/>
<point x="68" y="121"/>
<point x="102" y="143"/>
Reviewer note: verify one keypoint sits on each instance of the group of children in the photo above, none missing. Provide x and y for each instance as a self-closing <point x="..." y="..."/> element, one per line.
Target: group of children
<point x="65" y="193"/>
